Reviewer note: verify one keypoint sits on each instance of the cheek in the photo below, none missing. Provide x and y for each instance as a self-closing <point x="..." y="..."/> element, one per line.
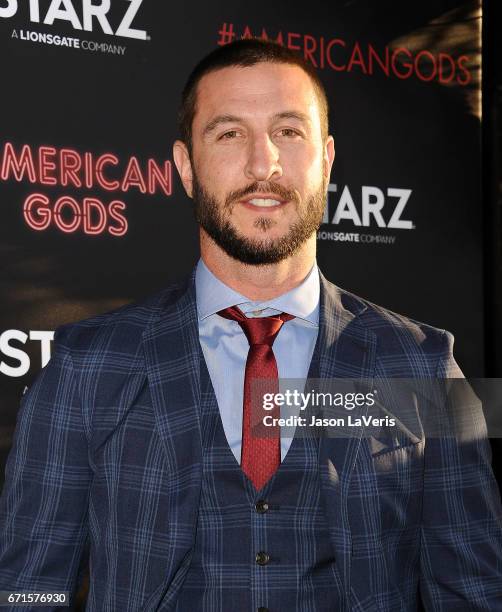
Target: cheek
<point x="304" y="167"/>
<point x="219" y="171"/>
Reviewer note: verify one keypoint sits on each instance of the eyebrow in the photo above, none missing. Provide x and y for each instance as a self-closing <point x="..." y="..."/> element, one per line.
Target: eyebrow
<point x="293" y="115"/>
<point x="219" y="119"/>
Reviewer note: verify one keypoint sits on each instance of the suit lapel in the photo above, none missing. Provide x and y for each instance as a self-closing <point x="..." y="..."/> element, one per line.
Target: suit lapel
<point x="346" y="349"/>
<point x="171" y="346"/>
<point x="172" y="362"/>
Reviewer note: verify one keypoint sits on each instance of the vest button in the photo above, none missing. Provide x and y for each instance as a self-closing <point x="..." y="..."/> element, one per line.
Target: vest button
<point x="261" y="506"/>
<point x="262" y="558"/>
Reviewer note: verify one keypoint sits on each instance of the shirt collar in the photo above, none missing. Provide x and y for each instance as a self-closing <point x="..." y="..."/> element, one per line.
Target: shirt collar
<point x="213" y="295"/>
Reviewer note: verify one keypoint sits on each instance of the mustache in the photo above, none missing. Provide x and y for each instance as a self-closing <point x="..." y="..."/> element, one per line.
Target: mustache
<point x="283" y="192"/>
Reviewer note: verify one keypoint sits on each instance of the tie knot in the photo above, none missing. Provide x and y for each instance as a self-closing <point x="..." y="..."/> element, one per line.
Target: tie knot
<point x="258" y="330"/>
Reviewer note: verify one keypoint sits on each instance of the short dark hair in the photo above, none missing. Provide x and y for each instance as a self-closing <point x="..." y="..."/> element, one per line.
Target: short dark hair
<point x="247" y="52"/>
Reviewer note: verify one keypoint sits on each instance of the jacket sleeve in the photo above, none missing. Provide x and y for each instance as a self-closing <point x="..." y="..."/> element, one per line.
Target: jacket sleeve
<point x="461" y="536"/>
<point x="43" y="507"/>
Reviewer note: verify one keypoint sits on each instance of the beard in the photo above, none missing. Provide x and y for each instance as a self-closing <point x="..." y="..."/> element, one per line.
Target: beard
<point x="209" y="214"/>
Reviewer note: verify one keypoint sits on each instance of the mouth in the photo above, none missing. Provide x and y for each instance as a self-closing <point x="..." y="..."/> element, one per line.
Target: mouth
<point x="264" y="202"/>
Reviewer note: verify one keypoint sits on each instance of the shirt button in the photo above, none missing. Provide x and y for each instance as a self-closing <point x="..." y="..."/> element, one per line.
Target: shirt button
<point x="261" y="506"/>
<point x="262" y="558"/>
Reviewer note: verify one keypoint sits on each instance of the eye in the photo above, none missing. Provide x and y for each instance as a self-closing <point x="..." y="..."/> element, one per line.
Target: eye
<point x="289" y="132"/>
<point x="228" y="135"/>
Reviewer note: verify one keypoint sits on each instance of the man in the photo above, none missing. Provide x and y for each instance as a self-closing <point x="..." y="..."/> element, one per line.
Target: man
<point x="136" y="437"/>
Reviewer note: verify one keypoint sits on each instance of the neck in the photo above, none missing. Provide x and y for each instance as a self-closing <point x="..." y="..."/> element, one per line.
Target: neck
<point x="258" y="282"/>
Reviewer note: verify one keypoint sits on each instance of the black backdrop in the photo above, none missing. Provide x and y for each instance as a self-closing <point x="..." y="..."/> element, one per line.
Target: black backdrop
<point x="404" y="84"/>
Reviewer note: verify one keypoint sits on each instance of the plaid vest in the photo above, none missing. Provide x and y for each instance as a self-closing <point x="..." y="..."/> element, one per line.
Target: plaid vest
<point x="259" y="551"/>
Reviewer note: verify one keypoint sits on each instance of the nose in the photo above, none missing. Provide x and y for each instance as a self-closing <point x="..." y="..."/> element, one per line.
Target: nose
<point x="263" y="159"/>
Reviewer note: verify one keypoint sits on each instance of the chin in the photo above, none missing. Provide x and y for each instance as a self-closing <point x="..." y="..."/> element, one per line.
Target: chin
<point x="265" y="240"/>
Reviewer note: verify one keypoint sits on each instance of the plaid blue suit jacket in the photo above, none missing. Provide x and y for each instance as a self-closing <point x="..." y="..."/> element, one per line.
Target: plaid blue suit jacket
<point x="107" y="458"/>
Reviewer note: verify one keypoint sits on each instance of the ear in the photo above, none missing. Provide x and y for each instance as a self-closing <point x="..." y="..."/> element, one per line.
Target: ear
<point x="329" y="156"/>
<point x="184" y="165"/>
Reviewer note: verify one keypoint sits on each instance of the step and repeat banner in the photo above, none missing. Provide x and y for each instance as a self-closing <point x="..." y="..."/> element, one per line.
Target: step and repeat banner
<point x="94" y="216"/>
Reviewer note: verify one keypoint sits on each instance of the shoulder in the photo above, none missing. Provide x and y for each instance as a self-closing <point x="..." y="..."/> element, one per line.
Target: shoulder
<point x="390" y="325"/>
<point x="120" y="329"/>
<point x="404" y="345"/>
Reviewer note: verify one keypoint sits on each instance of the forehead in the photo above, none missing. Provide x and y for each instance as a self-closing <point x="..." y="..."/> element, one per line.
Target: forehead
<point x="255" y="91"/>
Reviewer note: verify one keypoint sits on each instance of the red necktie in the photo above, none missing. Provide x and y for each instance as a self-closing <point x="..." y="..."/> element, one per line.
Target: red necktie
<point x="260" y="456"/>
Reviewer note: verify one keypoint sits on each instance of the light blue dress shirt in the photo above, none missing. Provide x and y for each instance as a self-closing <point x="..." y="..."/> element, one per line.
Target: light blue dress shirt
<point x="225" y="347"/>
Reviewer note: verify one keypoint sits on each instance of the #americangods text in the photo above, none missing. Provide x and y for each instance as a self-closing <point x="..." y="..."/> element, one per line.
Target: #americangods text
<point x="49" y="166"/>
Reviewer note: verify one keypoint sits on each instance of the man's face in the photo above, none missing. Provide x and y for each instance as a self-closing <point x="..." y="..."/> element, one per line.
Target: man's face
<point x="259" y="168"/>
